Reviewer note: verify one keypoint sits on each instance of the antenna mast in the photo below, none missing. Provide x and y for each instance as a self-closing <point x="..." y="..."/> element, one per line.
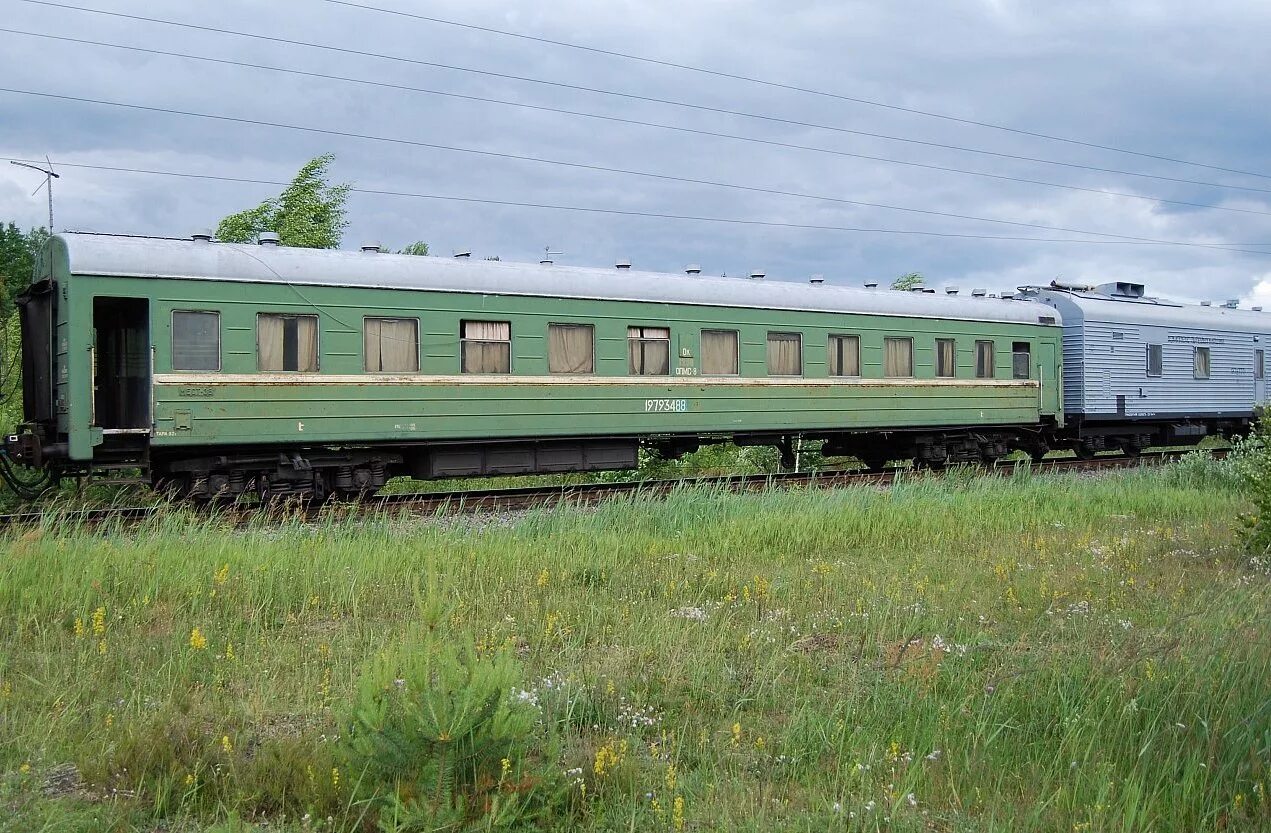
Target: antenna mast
<point x="49" y="176"/>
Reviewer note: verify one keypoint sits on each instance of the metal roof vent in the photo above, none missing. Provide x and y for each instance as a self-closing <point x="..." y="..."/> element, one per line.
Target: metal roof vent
<point x="871" y="285"/>
<point x="693" y="269"/>
<point x="1121" y="289"/>
<point x="371" y="247"/>
<point x="202" y="236"/>
<point x="1205" y="303"/>
<point x="1257" y="309"/>
<point x="817" y="280"/>
<point x="757" y="274"/>
<point x="267" y="238"/>
<point x="462" y="253"/>
<point x="623" y="264"/>
<point x="1008" y="295"/>
<point x="928" y="291"/>
<point x="978" y="293"/>
<point x="545" y="262"/>
<point x="950" y="290"/>
<point x="1232" y="304"/>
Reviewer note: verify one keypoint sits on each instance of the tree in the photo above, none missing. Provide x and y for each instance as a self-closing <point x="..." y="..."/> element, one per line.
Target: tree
<point x="907" y="282"/>
<point x="17" y="260"/>
<point x="308" y="213"/>
<point x="419" y="247"/>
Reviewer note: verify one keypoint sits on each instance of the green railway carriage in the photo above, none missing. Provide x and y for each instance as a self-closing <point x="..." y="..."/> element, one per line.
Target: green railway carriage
<point x="218" y="366"/>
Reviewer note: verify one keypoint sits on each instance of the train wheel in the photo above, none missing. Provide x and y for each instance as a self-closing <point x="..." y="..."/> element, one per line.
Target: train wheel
<point x="1084" y="451"/>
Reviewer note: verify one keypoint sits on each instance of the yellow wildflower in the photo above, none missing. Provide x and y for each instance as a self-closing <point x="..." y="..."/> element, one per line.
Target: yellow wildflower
<point x="543" y="578"/>
<point x="110" y="719"/>
<point x="25" y="768"/>
<point x="99" y="621"/>
<point x="227" y="744"/>
<point x="335" y="777"/>
<point x="197" y="640"/>
<point x="229" y="650"/>
<point x="79" y="626"/>
<point x="736" y="733"/>
<point x="221" y="575"/>
<point x="677" y="813"/>
<point x="189" y="779"/>
<point x="101" y="647"/>
<point x="670" y="777"/>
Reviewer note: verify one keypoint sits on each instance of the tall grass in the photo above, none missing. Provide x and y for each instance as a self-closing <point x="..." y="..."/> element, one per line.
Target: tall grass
<point x="1030" y="653"/>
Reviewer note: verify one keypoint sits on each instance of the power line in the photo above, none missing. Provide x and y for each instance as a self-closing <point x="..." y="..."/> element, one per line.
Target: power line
<point x="662" y="215"/>
<point x="589" y="167"/>
<point x="790" y="87"/>
<point x="636" y="97"/>
<point x="622" y="120"/>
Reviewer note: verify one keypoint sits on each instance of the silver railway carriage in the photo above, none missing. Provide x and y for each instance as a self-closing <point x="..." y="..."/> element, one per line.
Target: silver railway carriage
<point x="1140" y="370"/>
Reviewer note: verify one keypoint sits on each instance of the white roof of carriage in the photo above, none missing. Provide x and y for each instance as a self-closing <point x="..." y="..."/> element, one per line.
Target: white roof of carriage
<point x="151" y="257"/>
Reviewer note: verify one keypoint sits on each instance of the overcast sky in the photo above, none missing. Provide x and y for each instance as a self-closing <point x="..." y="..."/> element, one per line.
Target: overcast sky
<point x="1172" y="78"/>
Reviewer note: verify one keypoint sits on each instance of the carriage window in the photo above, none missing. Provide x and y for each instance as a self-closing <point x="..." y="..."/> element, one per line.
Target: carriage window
<point x="570" y="348"/>
<point x="1155" y="359"/>
<point x="287" y="342"/>
<point x="946" y="358"/>
<point x="196" y="341"/>
<point x="984" y="360"/>
<point x="1200" y="363"/>
<point x="898" y="357"/>
<point x="845" y="356"/>
<point x="719" y="352"/>
<point x="486" y="347"/>
<point x="785" y="354"/>
<point x="648" y="351"/>
<point x="1021" y="360"/>
<point x="1259" y="364"/>
<point x="390" y="345"/>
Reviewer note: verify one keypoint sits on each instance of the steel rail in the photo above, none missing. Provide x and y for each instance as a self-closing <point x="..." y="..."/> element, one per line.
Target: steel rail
<point x="473" y="501"/>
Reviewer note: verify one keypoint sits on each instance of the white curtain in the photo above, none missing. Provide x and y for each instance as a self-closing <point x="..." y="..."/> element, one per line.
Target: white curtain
<point x="487" y="347"/>
<point x="649" y="351"/>
<point x="570" y="348"/>
<point x="785" y="354"/>
<point x="845" y="356"/>
<point x="985" y="363"/>
<point x="306" y="343"/>
<point x="391" y="345"/>
<point x="946" y="357"/>
<point x="898" y="357"/>
<point x="1200" y="363"/>
<point x="719" y="352"/>
<point x="269" y="341"/>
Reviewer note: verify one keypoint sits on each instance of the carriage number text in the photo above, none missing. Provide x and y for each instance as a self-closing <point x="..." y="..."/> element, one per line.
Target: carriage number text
<point x="665" y="405"/>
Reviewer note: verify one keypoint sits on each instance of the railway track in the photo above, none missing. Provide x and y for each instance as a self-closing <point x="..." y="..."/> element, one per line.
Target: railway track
<point x="533" y="497"/>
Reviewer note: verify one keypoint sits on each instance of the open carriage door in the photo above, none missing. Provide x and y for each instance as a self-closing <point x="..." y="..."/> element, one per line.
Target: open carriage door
<point x="121" y="365"/>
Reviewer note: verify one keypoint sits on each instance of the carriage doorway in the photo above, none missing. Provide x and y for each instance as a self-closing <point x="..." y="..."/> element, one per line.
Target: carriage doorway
<point x="121" y="365"/>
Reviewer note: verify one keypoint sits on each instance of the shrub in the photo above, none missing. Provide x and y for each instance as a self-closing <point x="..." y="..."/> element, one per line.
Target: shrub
<point x="438" y="741"/>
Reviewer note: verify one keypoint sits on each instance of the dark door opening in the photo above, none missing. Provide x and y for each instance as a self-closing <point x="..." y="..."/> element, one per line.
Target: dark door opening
<point x="121" y="372"/>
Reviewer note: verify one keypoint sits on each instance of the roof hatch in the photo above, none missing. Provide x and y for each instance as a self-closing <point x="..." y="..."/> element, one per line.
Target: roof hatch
<point x="1121" y="289"/>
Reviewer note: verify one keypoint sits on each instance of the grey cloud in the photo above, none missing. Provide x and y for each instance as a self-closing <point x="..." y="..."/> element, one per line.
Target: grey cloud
<point x="1167" y="77"/>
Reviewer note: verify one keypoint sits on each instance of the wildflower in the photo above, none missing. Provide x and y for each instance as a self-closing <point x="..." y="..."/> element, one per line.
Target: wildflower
<point x="99" y="622"/>
<point x="227" y="744"/>
<point x="759" y="743"/>
<point x="79" y="626"/>
<point x="221" y="575"/>
<point x="677" y="813"/>
<point x="913" y="802"/>
<point x="670" y="777"/>
<point x="197" y="640"/>
<point x="870" y="805"/>
<point x="110" y="719"/>
<point x="934" y="756"/>
<point x="189" y="779"/>
<point x="609" y="757"/>
<point x="543" y="578"/>
<point x="101" y="647"/>
<point x="736" y="733"/>
<point x="25" y="768"/>
<point x="229" y="651"/>
<point x="505" y="766"/>
<point x="335" y="777"/>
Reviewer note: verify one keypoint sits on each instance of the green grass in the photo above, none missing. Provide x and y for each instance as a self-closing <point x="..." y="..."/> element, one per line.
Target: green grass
<point x="1052" y="653"/>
